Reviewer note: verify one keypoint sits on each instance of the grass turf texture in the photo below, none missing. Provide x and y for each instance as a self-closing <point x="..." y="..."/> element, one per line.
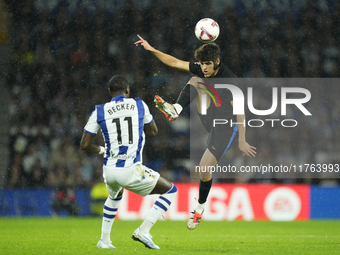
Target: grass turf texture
<point x="80" y="236"/>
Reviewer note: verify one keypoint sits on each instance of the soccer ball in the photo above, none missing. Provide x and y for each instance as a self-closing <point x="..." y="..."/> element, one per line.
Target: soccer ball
<point x="207" y="30"/>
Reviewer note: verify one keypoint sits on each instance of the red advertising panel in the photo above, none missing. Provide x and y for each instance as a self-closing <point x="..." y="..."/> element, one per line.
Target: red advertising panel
<point x="228" y="202"/>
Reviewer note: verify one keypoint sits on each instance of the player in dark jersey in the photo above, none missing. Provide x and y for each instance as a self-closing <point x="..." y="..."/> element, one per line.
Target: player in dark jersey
<point x="220" y="138"/>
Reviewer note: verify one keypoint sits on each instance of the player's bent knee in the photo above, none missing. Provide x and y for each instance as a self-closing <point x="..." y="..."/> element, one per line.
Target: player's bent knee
<point x="162" y="186"/>
<point x="120" y="193"/>
<point x="205" y="179"/>
<point x="205" y="176"/>
<point x="196" y="81"/>
<point x="173" y="189"/>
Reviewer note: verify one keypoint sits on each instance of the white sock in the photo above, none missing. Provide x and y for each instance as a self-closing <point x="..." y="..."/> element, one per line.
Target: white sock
<point x="109" y="214"/>
<point x="200" y="208"/>
<point x="178" y="108"/>
<point x="160" y="206"/>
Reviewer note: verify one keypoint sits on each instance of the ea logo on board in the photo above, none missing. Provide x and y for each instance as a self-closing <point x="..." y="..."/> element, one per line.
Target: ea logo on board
<point x="282" y="204"/>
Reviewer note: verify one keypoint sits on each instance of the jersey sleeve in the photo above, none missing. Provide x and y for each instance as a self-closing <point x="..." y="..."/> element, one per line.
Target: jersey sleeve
<point x="92" y="127"/>
<point x="195" y="68"/>
<point x="148" y="118"/>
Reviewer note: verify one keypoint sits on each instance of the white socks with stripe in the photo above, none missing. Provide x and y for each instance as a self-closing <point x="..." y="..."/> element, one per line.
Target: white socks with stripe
<point x="178" y="108"/>
<point x="200" y="208"/>
<point x="159" y="208"/>
<point x="109" y="214"/>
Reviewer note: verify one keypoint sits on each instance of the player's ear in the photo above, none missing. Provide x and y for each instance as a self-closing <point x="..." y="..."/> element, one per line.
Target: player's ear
<point x="127" y="91"/>
<point x="216" y="63"/>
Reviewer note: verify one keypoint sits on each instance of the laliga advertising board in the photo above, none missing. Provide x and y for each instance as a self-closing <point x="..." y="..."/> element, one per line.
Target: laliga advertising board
<point x="228" y="202"/>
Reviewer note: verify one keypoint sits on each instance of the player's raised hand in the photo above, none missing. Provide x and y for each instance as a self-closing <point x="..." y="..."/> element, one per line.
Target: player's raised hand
<point x="247" y="149"/>
<point x="144" y="43"/>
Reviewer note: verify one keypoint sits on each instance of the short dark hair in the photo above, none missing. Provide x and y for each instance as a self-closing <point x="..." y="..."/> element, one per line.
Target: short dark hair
<point x="208" y="52"/>
<point x="118" y="83"/>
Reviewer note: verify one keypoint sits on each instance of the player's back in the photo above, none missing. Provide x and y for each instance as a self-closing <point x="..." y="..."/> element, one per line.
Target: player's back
<point x="121" y="122"/>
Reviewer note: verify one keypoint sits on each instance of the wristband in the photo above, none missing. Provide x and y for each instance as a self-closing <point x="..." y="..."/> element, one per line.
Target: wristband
<point x="102" y="150"/>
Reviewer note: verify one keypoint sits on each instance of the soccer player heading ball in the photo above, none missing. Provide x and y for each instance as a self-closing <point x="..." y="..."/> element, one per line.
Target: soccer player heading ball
<point x="220" y="137"/>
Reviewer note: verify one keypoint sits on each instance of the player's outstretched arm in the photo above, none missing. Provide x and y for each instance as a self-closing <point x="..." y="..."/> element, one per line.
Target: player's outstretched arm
<point x="242" y="143"/>
<point x="151" y="129"/>
<point x="165" y="58"/>
<point x="86" y="144"/>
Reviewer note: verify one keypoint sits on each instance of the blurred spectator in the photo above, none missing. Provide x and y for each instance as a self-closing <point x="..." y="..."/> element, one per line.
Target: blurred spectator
<point x="65" y="198"/>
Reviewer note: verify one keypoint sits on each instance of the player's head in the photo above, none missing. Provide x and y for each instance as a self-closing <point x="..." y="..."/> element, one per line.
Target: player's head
<point x="209" y="57"/>
<point x="119" y="85"/>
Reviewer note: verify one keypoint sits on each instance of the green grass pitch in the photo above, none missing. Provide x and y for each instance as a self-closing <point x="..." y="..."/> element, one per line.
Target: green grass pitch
<point x="80" y="236"/>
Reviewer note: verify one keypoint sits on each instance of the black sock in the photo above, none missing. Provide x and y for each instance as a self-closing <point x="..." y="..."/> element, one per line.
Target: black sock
<point x="187" y="95"/>
<point x="204" y="191"/>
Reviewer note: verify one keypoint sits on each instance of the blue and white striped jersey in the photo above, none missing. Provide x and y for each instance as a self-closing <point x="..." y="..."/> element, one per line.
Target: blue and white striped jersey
<point x="122" y="124"/>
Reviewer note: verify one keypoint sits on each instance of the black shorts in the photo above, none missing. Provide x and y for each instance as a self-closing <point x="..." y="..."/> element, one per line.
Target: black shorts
<point x="207" y="119"/>
<point x="220" y="137"/>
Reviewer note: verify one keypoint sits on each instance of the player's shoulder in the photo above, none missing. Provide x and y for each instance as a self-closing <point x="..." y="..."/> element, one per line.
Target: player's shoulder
<point x="137" y="99"/>
<point x="98" y="106"/>
<point x="101" y="107"/>
<point x="194" y="65"/>
<point x="195" y="68"/>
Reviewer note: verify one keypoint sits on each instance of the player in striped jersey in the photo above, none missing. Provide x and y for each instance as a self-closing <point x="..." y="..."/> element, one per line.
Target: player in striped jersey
<point x="124" y="122"/>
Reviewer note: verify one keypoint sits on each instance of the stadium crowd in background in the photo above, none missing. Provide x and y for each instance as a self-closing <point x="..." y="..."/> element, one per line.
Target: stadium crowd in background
<point x="62" y="54"/>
